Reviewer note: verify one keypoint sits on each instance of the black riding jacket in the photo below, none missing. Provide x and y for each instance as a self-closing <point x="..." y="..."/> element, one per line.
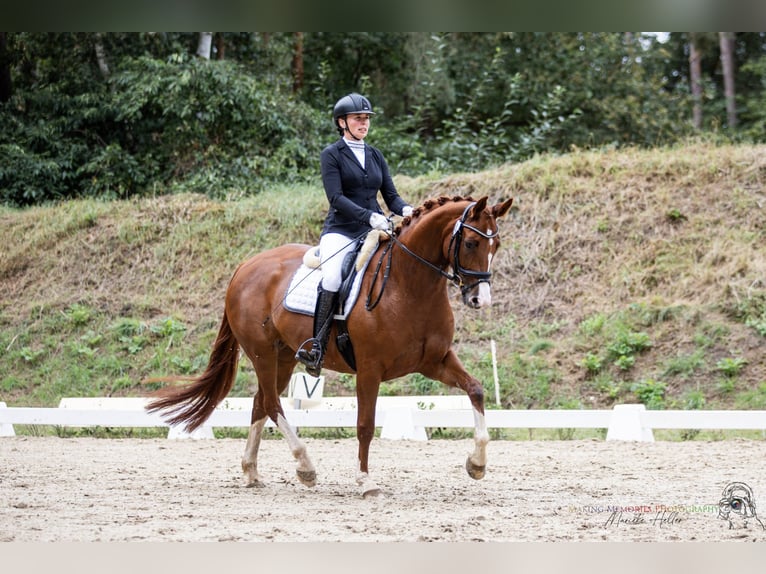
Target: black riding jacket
<point x="353" y="191"/>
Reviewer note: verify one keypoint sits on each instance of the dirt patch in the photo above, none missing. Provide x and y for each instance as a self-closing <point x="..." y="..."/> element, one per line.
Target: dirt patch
<point x="87" y="489"/>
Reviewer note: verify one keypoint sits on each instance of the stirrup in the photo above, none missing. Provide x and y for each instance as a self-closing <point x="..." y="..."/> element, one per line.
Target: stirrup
<point x="312" y="358"/>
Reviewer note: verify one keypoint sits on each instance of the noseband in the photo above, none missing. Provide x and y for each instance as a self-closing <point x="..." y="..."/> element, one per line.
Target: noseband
<point x="459" y="272"/>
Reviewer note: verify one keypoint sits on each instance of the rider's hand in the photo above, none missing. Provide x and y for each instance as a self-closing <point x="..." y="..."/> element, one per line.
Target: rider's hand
<point x="407" y="211"/>
<point x="378" y="221"/>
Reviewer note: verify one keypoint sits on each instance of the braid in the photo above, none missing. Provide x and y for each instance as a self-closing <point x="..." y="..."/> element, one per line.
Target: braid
<point x="428" y="205"/>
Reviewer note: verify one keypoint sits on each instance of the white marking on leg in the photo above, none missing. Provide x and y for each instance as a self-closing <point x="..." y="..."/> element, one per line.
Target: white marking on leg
<point x="296" y="446"/>
<point x="250" y="458"/>
<point x="481" y="438"/>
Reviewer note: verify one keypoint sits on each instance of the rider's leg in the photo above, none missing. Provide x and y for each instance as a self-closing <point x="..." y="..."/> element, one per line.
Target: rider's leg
<point x="327" y="302"/>
<point x="332" y="251"/>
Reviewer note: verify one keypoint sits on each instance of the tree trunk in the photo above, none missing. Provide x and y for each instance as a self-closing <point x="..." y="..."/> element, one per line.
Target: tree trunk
<point x="220" y="46"/>
<point x="298" y="63"/>
<point x="6" y="87"/>
<point x="727" y="62"/>
<point x="101" y="55"/>
<point x="695" y="77"/>
<point x="205" y="45"/>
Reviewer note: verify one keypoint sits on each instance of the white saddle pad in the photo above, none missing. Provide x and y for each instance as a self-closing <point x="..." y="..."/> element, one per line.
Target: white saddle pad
<point x="301" y="295"/>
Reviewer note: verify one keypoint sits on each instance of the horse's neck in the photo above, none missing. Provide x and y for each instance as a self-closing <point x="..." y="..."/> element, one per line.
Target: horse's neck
<point x="426" y="239"/>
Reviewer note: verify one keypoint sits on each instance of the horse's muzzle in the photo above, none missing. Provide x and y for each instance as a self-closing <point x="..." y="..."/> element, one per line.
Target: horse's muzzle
<point x="479" y="296"/>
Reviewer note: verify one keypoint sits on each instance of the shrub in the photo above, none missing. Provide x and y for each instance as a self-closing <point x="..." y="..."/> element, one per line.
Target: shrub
<point x="629" y="343"/>
<point x="752" y="312"/>
<point x="731" y="367"/>
<point x="650" y="392"/>
<point x="208" y="123"/>
<point x="592" y="363"/>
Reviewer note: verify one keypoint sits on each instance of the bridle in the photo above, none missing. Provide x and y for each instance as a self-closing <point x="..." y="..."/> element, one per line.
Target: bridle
<point x="459" y="273"/>
<point x="457" y="241"/>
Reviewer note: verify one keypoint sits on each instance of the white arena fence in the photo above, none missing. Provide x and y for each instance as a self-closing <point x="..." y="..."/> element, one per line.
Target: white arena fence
<point x="400" y="417"/>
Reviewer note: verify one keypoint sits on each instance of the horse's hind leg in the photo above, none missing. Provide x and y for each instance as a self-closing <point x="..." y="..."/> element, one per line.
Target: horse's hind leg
<point x="250" y="458"/>
<point x="305" y="469"/>
<point x="273" y="377"/>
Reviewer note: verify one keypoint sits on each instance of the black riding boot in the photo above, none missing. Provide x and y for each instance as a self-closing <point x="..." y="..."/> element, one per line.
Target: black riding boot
<point x="325" y="309"/>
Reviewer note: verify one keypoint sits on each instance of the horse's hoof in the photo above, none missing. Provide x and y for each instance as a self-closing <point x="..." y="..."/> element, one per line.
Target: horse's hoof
<point x="474" y="471"/>
<point x="369" y="487"/>
<point x="372" y="492"/>
<point x="307" y="477"/>
<point x="252" y="479"/>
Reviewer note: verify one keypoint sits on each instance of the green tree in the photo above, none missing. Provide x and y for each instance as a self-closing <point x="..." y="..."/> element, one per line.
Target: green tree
<point x="117" y="114"/>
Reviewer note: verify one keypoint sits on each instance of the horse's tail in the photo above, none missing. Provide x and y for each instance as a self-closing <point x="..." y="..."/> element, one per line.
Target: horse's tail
<point x="194" y="402"/>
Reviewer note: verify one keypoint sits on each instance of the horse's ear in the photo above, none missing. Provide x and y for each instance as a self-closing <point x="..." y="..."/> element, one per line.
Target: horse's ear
<point x="477" y="209"/>
<point x="501" y="208"/>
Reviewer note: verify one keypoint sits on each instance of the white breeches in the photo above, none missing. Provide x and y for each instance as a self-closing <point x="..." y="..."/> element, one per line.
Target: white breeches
<point x="332" y="251"/>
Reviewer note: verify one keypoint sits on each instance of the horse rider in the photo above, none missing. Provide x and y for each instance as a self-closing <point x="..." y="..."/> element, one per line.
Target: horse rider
<point x="353" y="172"/>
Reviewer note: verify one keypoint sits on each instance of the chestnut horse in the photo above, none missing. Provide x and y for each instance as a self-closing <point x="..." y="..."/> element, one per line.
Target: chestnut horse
<point x="408" y="328"/>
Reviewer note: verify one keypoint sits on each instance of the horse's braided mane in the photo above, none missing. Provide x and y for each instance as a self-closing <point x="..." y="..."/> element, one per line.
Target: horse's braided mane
<point x="429" y="205"/>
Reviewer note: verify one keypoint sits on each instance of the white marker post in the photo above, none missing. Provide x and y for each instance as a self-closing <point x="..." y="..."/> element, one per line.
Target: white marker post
<point x="494" y="371"/>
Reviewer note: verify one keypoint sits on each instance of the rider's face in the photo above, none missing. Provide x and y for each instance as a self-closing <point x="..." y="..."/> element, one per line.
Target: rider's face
<point x="357" y="124"/>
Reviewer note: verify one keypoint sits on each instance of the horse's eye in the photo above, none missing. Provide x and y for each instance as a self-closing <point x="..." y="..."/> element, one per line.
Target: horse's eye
<point x="471" y="244"/>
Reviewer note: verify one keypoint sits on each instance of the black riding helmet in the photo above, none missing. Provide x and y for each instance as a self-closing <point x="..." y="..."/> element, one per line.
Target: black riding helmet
<point x="350" y="104"/>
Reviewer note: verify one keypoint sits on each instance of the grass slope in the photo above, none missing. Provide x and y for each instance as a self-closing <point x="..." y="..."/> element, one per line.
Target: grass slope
<point x="624" y="276"/>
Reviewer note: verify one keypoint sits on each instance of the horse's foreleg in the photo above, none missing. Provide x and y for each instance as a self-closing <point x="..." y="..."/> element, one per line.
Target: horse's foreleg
<point x="454" y="374"/>
<point x="367" y="397"/>
<point x="476" y="463"/>
<point x="368" y="485"/>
